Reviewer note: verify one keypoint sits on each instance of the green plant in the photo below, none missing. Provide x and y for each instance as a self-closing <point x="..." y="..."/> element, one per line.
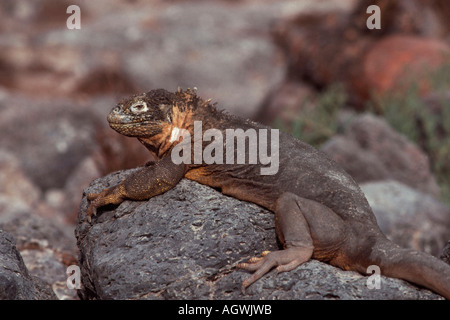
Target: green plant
<point x="425" y="124"/>
<point x="317" y="124"/>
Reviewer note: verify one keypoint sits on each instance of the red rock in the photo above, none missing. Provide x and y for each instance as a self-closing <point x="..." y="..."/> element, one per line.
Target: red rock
<point x="397" y="62"/>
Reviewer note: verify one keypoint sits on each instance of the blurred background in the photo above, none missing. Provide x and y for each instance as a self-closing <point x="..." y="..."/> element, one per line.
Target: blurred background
<point x="376" y="101"/>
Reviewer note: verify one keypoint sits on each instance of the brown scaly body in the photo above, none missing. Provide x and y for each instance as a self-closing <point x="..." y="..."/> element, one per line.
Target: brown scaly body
<point x="320" y="212"/>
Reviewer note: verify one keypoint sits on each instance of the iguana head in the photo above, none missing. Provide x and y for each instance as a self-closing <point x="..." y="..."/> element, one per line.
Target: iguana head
<point x="143" y="115"/>
<point x="156" y="117"/>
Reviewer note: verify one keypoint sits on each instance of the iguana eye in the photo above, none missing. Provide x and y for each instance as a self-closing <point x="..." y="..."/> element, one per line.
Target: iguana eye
<point x="139" y="107"/>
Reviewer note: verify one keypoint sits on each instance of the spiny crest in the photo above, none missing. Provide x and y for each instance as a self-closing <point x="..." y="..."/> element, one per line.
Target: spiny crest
<point x="190" y="99"/>
<point x="160" y="96"/>
<point x="184" y="100"/>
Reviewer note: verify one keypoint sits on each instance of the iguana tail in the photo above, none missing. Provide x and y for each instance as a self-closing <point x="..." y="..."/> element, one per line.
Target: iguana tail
<point x="413" y="266"/>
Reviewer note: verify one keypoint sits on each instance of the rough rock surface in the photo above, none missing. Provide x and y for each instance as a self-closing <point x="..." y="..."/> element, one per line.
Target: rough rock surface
<point x="408" y="217"/>
<point x="186" y="243"/>
<point x="46" y="246"/>
<point x="370" y="150"/>
<point x="16" y="283"/>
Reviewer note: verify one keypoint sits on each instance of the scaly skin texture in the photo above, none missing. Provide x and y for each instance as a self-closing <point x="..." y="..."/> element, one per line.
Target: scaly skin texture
<point x="320" y="212"/>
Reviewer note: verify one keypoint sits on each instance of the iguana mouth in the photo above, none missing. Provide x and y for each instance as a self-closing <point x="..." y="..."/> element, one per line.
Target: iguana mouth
<point x="121" y="119"/>
<point x="136" y="129"/>
<point x="135" y="124"/>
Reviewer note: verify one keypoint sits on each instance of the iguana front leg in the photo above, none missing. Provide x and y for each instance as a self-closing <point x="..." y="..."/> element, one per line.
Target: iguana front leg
<point x="144" y="184"/>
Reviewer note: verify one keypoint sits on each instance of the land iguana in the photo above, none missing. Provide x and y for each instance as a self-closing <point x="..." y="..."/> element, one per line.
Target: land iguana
<point x="320" y="211"/>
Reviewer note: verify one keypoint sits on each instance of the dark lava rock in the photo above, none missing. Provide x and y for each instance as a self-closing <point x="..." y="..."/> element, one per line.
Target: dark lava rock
<point x="185" y="244"/>
<point x="15" y="281"/>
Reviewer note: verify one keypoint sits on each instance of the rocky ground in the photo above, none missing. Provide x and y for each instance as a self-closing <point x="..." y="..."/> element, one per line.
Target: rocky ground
<point x="257" y="59"/>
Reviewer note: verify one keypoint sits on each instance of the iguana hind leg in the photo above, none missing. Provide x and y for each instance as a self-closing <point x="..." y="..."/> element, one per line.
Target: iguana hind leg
<point x="283" y="260"/>
<point x="293" y="232"/>
<point x="304" y="227"/>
